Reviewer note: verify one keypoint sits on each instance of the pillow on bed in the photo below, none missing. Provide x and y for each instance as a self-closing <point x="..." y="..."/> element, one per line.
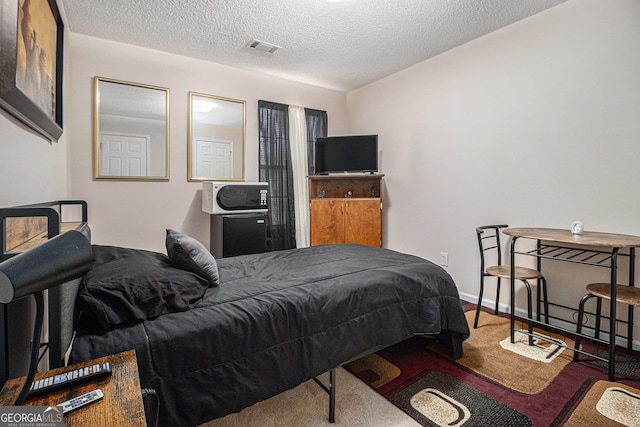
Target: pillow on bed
<point x="133" y="284"/>
<point x="188" y="254"/>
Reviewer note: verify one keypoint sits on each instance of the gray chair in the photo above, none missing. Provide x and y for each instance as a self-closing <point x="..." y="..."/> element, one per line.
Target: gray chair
<point x="489" y="244"/>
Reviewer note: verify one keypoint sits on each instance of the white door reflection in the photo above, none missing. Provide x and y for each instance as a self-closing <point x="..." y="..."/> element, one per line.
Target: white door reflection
<point x="213" y="158"/>
<point x="124" y="155"/>
<point x="216" y="138"/>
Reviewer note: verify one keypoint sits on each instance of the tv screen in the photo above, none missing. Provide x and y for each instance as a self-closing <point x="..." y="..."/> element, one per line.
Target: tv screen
<point x="337" y="154"/>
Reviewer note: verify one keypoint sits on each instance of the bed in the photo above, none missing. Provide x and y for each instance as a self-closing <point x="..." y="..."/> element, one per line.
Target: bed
<point x="271" y="322"/>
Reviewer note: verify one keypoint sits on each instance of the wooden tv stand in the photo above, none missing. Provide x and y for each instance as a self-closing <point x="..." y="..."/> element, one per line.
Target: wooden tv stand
<point x="346" y="208"/>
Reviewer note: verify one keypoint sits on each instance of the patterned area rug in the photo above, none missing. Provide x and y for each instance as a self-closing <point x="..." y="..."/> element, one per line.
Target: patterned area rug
<point x="497" y="383"/>
<point x="489" y="352"/>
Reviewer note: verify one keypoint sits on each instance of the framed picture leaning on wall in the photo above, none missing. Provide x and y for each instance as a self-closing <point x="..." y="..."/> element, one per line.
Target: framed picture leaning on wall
<point x="31" y="64"/>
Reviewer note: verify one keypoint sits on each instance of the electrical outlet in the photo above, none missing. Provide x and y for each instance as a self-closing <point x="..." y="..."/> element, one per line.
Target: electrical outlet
<point x="444" y="259"/>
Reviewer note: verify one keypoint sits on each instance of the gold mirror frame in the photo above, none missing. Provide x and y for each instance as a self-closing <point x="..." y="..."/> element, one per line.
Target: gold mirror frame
<point x="134" y="115"/>
<point x="216" y="125"/>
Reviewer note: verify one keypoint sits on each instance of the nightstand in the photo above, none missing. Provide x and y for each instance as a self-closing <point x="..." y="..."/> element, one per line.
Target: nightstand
<point x="122" y="403"/>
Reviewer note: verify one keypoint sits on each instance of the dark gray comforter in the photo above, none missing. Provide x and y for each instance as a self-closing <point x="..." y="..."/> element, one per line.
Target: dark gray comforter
<point x="277" y="320"/>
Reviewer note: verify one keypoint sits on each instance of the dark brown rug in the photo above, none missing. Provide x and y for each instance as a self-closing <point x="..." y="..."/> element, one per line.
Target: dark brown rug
<point x="497" y="383"/>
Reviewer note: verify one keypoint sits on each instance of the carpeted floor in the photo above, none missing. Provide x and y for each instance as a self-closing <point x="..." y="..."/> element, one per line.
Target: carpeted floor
<point x="357" y="405"/>
<point x="502" y="384"/>
<point x="494" y="384"/>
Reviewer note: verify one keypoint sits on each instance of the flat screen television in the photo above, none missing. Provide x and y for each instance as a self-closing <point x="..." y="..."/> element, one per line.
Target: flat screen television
<point x="339" y="154"/>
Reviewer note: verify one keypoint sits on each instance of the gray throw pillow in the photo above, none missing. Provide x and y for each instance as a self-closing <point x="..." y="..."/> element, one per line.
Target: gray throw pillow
<point x="188" y="254"/>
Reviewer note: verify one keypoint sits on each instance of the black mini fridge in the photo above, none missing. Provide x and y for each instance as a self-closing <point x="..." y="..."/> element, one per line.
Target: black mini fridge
<point x="238" y="234"/>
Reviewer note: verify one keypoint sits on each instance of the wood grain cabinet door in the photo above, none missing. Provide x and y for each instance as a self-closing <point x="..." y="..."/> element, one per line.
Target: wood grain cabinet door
<point x="363" y="222"/>
<point x="327" y="221"/>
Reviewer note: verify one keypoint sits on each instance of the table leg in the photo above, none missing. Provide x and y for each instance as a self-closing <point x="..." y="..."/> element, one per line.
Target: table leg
<point x="538" y="282"/>
<point x="612" y="315"/>
<point x="632" y="264"/>
<point x="512" y="302"/>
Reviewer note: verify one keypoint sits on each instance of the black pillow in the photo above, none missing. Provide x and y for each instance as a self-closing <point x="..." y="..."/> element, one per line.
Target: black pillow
<point x="132" y="284"/>
<point x="188" y="254"/>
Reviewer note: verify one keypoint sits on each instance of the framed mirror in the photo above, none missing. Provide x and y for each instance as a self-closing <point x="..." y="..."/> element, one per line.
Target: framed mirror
<point x="216" y="136"/>
<point x="130" y="131"/>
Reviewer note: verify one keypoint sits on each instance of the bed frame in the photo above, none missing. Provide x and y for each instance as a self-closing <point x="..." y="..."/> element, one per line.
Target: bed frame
<point x="22" y="228"/>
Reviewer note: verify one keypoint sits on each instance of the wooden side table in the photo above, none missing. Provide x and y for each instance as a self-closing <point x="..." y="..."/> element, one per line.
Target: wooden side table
<point x="122" y="403"/>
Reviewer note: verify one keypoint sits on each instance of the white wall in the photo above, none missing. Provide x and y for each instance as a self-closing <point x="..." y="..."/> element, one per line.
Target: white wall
<point x="32" y="169"/>
<point x="136" y="214"/>
<point x="533" y="125"/>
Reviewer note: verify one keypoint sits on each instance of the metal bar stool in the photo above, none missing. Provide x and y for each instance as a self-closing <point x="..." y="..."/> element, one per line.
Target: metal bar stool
<point x="625" y="294"/>
<point x="489" y="240"/>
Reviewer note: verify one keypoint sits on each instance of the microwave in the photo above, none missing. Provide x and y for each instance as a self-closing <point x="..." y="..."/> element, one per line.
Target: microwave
<point x="234" y="197"/>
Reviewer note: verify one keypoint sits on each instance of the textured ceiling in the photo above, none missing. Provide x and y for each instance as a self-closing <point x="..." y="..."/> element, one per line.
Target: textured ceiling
<point x="335" y="44"/>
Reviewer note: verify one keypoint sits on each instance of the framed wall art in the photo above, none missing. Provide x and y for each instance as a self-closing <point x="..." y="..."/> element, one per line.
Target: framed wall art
<point x="31" y="64"/>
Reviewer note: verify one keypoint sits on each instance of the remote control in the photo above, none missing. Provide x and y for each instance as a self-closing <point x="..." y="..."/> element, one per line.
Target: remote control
<point x="69" y="378"/>
<point x="80" y="401"/>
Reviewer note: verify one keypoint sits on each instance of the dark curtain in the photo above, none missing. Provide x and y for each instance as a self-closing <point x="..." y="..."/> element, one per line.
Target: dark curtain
<point x="317" y="125"/>
<point x="275" y="168"/>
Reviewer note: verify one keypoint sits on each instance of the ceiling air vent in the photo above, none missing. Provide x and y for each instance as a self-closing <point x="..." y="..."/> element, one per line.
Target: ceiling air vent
<point x="263" y="46"/>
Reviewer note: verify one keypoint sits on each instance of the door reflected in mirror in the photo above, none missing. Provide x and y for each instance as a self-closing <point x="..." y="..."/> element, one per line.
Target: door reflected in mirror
<point x="215" y="138"/>
<point x="131" y="131"/>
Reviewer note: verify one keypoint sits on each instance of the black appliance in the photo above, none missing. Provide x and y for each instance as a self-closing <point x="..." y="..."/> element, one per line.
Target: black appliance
<point x="238" y="234"/>
<point x="339" y="154"/>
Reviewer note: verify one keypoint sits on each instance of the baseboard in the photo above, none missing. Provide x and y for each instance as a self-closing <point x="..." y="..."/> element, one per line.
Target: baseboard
<point x="485" y="302"/>
<point x="504" y="308"/>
